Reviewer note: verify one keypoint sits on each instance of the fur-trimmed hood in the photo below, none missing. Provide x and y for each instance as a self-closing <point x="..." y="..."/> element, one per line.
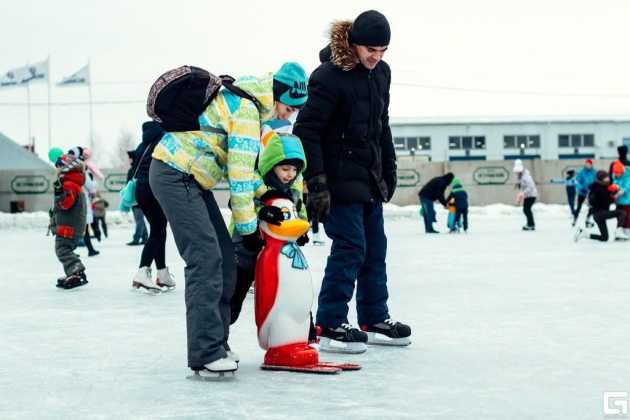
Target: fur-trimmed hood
<point x="339" y="51"/>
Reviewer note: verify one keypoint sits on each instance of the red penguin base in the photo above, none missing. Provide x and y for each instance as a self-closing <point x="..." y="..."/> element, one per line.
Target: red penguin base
<point x="293" y="355"/>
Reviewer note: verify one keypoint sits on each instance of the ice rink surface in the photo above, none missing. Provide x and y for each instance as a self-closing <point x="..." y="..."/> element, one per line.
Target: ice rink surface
<point x="506" y="325"/>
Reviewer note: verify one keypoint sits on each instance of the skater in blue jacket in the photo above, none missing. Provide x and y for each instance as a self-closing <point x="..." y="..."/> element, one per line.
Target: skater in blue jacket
<point x="583" y="181"/>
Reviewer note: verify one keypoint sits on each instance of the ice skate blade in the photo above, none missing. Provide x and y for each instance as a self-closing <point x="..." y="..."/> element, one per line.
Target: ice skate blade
<point x="383" y="340"/>
<point x="316" y="369"/>
<point x="164" y="288"/>
<point x="208" y="376"/>
<point x="146" y="289"/>
<point x="334" y="346"/>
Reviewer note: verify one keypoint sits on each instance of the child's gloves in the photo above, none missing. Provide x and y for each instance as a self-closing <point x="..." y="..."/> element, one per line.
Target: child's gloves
<point x="613" y="188"/>
<point x="58" y="187"/>
<point x="253" y="242"/>
<point x="302" y="240"/>
<point x="318" y="204"/>
<point x="270" y="214"/>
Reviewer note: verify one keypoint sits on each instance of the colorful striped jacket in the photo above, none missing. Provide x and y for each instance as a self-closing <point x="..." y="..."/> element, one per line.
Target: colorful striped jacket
<point x="226" y="147"/>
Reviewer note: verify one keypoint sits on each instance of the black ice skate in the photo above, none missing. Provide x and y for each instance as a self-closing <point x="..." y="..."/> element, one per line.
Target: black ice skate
<point x="388" y="333"/>
<point x="343" y="339"/>
<point x="72" y="281"/>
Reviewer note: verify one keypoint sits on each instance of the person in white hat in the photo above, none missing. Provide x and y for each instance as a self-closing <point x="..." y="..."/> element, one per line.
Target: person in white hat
<point x="527" y="193"/>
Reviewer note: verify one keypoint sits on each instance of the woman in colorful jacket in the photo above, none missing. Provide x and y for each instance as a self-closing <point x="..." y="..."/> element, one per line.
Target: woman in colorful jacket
<point x="185" y="168"/>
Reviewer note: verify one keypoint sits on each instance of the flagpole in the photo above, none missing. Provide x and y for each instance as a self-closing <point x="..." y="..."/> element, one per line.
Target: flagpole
<point x="91" y="111"/>
<point x="49" y="108"/>
<point x="28" y="113"/>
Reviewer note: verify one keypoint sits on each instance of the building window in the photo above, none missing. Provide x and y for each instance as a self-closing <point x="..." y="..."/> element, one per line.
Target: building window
<point x="588" y="140"/>
<point x="534" y="142"/>
<point x="576" y="140"/>
<point x="466" y="142"/>
<point x="521" y="141"/>
<point x="412" y="143"/>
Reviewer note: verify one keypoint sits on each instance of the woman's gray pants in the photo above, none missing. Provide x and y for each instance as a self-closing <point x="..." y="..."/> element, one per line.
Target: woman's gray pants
<point x="204" y="243"/>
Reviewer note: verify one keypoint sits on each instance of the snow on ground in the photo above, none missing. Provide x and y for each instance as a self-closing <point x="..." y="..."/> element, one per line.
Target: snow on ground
<point x="507" y="325"/>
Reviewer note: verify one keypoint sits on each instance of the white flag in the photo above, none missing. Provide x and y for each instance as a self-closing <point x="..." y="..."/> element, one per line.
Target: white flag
<point x="80" y="77"/>
<point x="26" y="74"/>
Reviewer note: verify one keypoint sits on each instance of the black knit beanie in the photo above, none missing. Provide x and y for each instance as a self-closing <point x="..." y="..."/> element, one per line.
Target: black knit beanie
<point x="371" y="29"/>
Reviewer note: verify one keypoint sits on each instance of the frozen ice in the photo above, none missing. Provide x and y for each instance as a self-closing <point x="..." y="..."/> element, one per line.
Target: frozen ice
<point x="506" y="325"/>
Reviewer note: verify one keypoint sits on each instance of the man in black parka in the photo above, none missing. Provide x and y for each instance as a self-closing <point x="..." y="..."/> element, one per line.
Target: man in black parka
<point x="434" y="190"/>
<point x="351" y="171"/>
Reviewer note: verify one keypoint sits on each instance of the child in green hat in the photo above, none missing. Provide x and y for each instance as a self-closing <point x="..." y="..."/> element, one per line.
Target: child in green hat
<point x="460" y="196"/>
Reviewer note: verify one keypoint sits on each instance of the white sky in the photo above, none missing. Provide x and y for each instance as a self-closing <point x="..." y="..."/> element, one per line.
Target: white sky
<point x="557" y="47"/>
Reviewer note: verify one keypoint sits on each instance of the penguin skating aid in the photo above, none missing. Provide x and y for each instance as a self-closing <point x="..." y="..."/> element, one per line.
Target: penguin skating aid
<point x="284" y="296"/>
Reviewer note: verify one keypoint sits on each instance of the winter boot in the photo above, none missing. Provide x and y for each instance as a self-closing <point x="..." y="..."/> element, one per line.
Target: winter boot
<point x="165" y="279"/>
<point x="343" y="339"/>
<point x="388" y="333"/>
<point x="143" y="280"/>
<point x="72" y="281"/>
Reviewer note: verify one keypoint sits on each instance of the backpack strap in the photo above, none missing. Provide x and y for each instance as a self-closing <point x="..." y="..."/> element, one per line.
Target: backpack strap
<point x="228" y="83"/>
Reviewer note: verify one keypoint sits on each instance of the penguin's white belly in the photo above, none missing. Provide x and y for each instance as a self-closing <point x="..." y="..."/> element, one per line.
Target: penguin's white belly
<point x="288" y="319"/>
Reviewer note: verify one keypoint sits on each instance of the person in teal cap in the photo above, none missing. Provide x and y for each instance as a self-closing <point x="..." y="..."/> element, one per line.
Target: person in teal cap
<point x="289" y="90"/>
<point x="186" y="167"/>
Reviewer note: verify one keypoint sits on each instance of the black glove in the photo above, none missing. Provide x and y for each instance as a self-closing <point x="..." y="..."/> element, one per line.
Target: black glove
<point x="58" y="187"/>
<point x="391" y="179"/>
<point x="391" y="182"/>
<point x="253" y="242"/>
<point x="271" y="214"/>
<point x="318" y="205"/>
<point x="302" y="240"/>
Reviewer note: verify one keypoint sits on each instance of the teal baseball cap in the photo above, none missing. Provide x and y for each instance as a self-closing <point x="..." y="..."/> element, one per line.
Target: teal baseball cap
<point x="289" y="85"/>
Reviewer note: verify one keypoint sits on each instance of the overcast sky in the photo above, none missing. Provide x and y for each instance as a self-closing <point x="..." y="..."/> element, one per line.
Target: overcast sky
<point x="448" y="58"/>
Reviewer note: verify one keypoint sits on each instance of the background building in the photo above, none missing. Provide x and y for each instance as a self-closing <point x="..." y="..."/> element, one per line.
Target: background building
<point x="441" y="139"/>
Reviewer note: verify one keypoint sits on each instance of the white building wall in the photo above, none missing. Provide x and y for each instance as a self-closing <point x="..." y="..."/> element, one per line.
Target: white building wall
<point x="608" y="135"/>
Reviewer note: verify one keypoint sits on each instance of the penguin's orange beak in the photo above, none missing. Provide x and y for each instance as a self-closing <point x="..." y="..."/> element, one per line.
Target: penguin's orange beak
<point x="290" y="228"/>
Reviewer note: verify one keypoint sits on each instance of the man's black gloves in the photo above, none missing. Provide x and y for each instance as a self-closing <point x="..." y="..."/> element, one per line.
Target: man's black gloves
<point x="318" y="205"/>
<point x="391" y="178"/>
